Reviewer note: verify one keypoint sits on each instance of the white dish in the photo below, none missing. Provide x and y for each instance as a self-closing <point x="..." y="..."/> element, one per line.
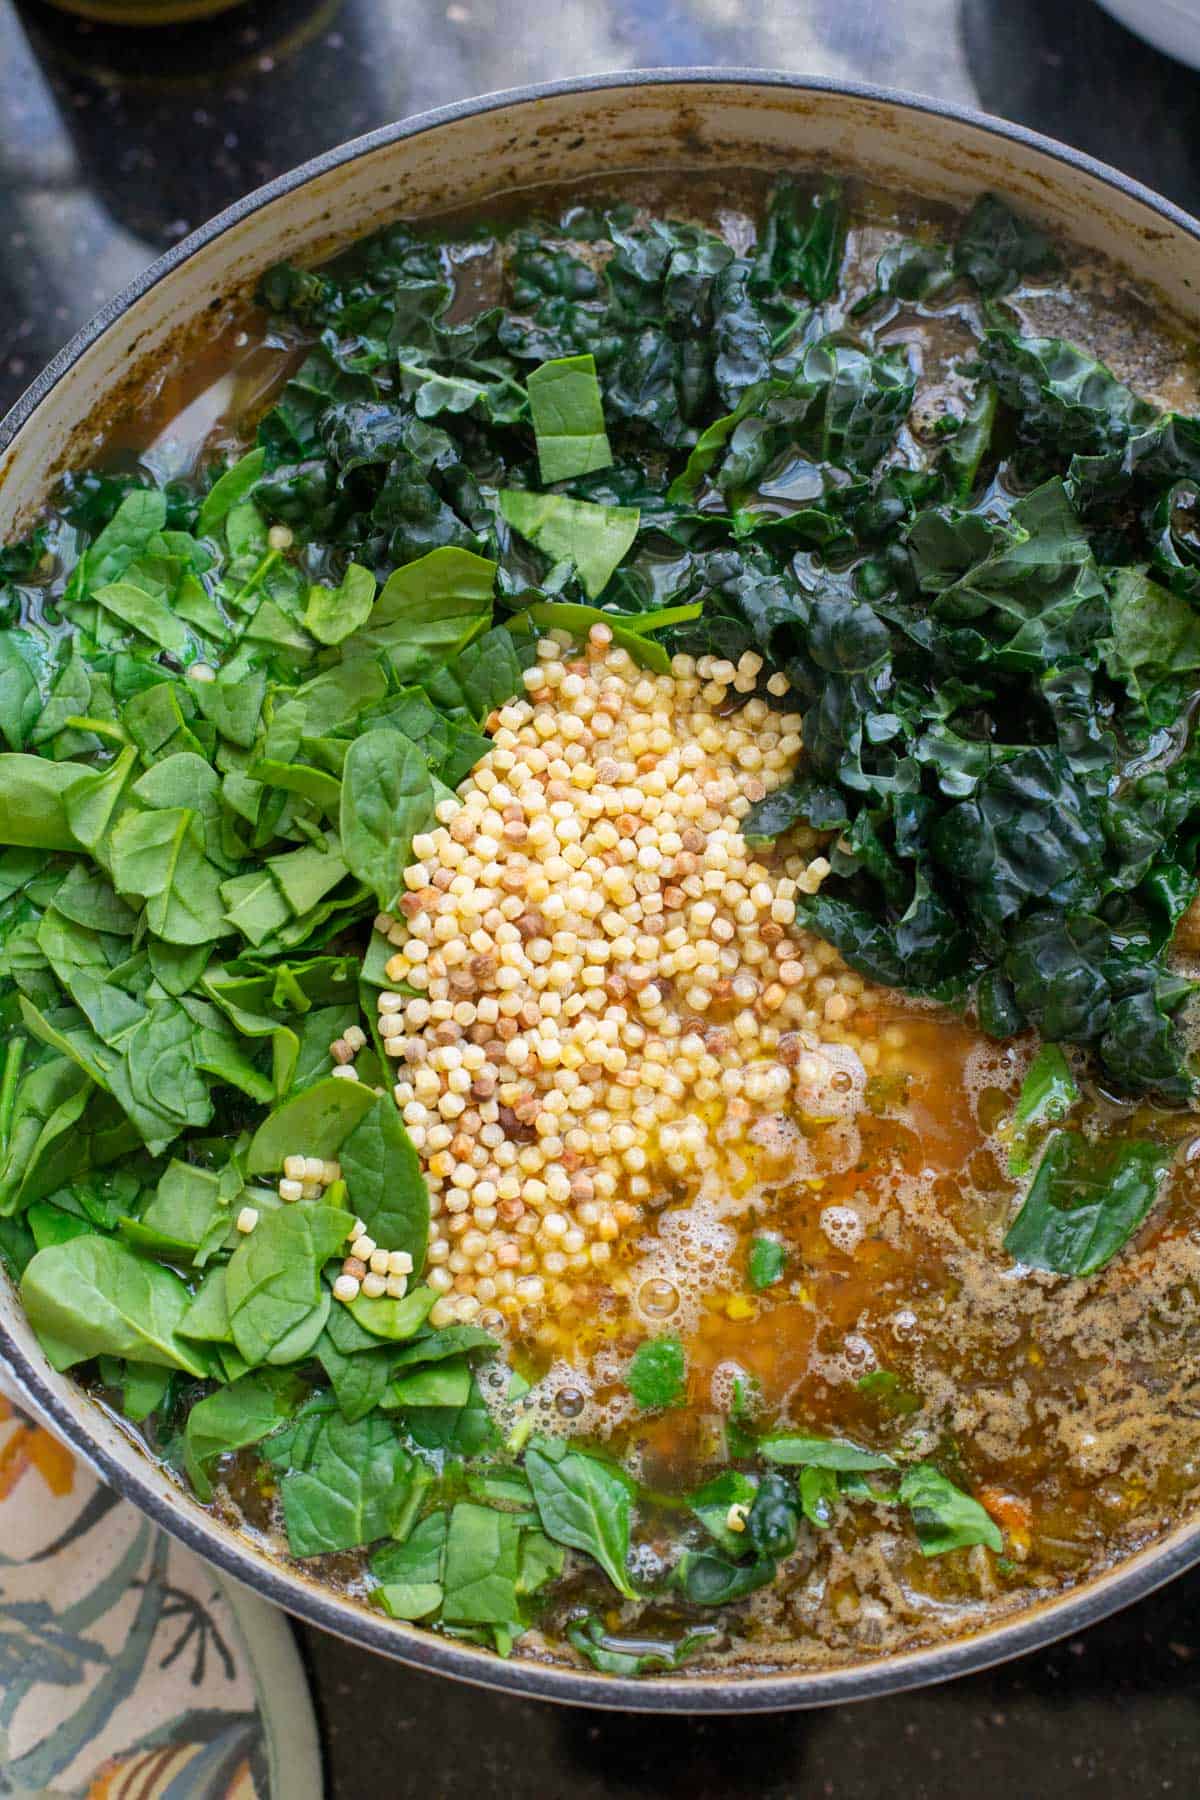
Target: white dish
<point x="128" y="1667"/>
<point x="1172" y="26"/>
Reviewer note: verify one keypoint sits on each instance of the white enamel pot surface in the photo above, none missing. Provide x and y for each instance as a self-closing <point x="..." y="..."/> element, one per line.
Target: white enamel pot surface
<point x="462" y="156"/>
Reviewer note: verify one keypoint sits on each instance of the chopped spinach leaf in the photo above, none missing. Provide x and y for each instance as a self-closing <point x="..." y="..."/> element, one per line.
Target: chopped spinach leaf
<point x="657" y="1374"/>
<point x="1048" y="1093"/>
<point x="708" y="1579"/>
<point x="797" y="1451"/>
<point x="767" y="1262"/>
<point x="1086" y="1201"/>
<point x="91" y="1296"/>
<point x="614" y="1655"/>
<point x="584" y="1503"/>
<point x="245" y="1412"/>
<point x="568" y="418"/>
<point x="945" y="1518"/>
<point x="277" y="1306"/>
<point x="344" y="1485"/>
<point x="592" y="538"/>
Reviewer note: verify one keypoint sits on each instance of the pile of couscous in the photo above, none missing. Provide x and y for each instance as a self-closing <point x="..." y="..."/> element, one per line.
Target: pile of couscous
<point x="591" y="962"/>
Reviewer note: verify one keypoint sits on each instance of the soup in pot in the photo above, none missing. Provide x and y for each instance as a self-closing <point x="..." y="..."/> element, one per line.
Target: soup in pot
<point x="596" y="930"/>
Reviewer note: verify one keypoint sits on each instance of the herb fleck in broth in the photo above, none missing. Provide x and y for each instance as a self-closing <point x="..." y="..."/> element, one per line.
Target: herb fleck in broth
<point x="733" y="1361"/>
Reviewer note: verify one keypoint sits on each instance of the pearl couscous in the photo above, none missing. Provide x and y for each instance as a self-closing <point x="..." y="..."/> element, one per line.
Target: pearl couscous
<point x="592" y="964"/>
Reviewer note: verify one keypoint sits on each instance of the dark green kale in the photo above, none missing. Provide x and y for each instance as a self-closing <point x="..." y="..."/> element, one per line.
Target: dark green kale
<point x="802" y="243"/>
<point x="997" y="249"/>
<point x="977" y="740"/>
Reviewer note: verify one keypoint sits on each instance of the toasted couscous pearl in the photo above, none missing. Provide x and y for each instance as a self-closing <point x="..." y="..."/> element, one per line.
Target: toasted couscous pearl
<point x="291" y="1190"/>
<point x="310" y="1173"/>
<point x="247" y="1219"/>
<point x="374" y="1286"/>
<point x="346" y="1288"/>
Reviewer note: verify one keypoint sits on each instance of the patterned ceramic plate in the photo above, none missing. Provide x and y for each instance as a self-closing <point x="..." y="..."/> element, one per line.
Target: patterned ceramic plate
<point x="129" y="1670"/>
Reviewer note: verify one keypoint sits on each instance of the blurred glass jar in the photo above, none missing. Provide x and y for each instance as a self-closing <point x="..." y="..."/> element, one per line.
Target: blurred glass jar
<point x="145" y="12"/>
<point x="246" y="94"/>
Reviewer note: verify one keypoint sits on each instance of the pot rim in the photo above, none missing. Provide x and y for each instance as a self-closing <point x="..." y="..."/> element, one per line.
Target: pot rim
<point x="1035" y="1627"/>
<point x="417" y="124"/>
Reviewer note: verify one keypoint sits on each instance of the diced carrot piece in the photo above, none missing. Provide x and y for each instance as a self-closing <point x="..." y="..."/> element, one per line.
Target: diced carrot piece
<point x="1007" y="1509"/>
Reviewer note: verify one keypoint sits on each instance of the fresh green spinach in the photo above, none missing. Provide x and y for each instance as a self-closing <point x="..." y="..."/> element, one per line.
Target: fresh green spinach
<point x="584" y="1503"/>
<point x="767" y="1262"/>
<point x="1048" y="1093"/>
<point x="333" y="613"/>
<point x="344" y="1485"/>
<point x="614" y="1655"/>
<point x="233" y="1417"/>
<point x="1086" y="1201"/>
<point x="797" y="1451"/>
<point x="91" y="1296"/>
<point x="387" y="796"/>
<point x="591" y="537"/>
<point x="944" y="1517"/>
<point x="568" y="418"/>
<point x="388" y="1191"/>
<point x="657" y="1373"/>
<point x="277" y="1306"/>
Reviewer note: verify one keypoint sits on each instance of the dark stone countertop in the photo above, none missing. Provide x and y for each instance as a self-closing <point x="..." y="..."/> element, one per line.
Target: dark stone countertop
<point x="112" y="147"/>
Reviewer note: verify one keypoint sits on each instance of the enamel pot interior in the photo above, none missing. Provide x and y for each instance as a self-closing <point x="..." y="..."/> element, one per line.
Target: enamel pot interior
<point x="462" y="157"/>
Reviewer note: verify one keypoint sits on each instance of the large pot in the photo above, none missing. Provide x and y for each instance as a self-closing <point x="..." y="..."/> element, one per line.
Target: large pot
<point x="462" y="156"/>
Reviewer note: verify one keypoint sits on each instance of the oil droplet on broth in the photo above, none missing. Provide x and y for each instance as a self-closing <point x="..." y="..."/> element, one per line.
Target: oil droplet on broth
<point x="657" y="1298"/>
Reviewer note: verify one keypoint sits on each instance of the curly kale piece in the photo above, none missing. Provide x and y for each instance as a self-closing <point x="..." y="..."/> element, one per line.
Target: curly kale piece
<point x="979" y="747"/>
<point x="997" y="249"/>
<point x="803" y="242"/>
